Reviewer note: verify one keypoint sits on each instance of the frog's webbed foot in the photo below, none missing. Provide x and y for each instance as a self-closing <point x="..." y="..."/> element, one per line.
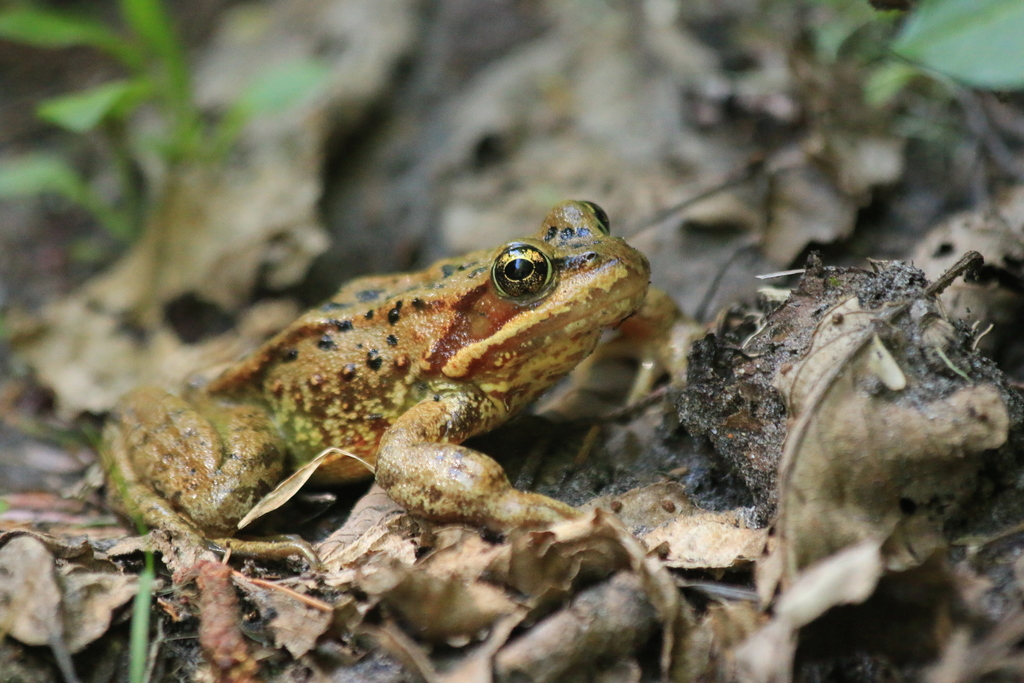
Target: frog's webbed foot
<point x="158" y="513"/>
<point x="431" y="477"/>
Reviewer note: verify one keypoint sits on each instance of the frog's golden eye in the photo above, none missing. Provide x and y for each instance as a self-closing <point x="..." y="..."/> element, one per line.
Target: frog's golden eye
<point x="602" y="218"/>
<point x="521" y="271"/>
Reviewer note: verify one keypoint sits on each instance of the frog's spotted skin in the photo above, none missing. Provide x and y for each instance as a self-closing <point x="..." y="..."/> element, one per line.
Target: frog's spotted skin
<point x="401" y="368"/>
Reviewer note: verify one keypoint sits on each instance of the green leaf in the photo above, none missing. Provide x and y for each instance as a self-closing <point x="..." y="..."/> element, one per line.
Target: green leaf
<point x="50" y="29"/>
<point x="283" y="87"/>
<point x="887" y="80"/>
<point x="272" y="93"/>
<point x="43" y="28"/>
<point x="83" y="110"/>
<point x="36" y="174"/>
<point x="838" y="19"/>
<point x="979" y="42"/>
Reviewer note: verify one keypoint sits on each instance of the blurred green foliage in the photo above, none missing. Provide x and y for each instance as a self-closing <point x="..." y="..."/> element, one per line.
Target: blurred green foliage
<point x="972" y="43"/>
<point x="153" y="57"/>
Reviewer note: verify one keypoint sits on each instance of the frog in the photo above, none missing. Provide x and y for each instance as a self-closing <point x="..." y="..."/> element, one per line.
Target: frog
<point x="390" y="375"/>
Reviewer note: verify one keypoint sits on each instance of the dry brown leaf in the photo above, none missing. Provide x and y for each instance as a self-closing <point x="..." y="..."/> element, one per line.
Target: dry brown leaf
<point x="710" y="646"/>
<point x="614" y="618"/>
<point x="295" y="625"/>
<point x="178" y="555"/>
<point x="30" y="597"/>
<point x="849" y="576"/>
<point x="393" y="536"/>
<point x="684" y="536"/>
<point x="89" y="602"/>
<point x="706" y="540"/>
<point x="439" y="609"/>
<point x="644" y="508"/>
<point x="997" y="233"/>
<point x="863" y="442"/>
<point x="545" y="564"/>
<point x="805" y="207"/>
<point x="291" y="485"/>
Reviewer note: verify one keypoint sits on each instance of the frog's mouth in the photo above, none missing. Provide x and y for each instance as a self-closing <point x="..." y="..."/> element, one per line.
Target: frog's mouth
<point x="596" y="306"/>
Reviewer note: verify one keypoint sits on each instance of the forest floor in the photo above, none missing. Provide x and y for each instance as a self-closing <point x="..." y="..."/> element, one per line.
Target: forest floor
<point x="819" y="479"/>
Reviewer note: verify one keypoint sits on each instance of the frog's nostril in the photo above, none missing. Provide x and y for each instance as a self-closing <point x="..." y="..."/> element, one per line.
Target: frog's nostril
<point x="590" y="255"/>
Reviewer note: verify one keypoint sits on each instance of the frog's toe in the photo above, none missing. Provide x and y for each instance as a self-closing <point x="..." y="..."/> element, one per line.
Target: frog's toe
<point x="519" y="510"/>
<point x="273" y="548"/>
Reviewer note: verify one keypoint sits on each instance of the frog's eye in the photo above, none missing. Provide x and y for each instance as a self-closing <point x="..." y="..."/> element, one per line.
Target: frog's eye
<point x="521" y="270"/>
<point x="602" y="218"/>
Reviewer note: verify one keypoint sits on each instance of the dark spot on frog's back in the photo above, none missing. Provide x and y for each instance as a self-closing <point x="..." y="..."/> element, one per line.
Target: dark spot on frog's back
<point x="348" y="372"/>
<point x="342" y="325"/>
<point x="334" y="306"/>
<point x="373" y="359"/>
<point x="419" y="304"/>
<point x="392" y="340"/>
<point x="369" y="314"/>
<point x="290" y="355"/>
<point x="395" y="313"/>
<point x="369" y="295"/>
<point x="326" y="343"/>
<point x="447" y="270"/>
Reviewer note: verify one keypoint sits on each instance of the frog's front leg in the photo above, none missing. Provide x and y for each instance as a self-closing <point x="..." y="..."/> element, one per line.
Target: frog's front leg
<point x="193" y="468"/>
<point x="422" y="467"/>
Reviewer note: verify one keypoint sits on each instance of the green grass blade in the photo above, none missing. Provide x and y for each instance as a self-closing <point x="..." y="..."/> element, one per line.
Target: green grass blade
<point x="151" y="23"/>
<point x="139" y="642"/>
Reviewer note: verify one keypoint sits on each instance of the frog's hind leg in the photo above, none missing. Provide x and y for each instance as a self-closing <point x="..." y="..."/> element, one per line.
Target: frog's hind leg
<point x="194" y="470"/>
<point x="423" y="469"/>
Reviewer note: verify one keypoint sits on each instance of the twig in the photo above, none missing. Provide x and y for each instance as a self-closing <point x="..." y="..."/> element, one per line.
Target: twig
<point x="304" y="599"/>
<point x="741" y="175"/>
<point x="978" y="121"/>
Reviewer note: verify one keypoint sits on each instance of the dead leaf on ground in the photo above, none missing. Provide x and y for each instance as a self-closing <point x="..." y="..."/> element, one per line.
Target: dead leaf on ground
<point x="706" y="540"/>
<point x="294" y="624"/>
<point x="614" y="618"/>
<point x="90" y="600"/>
<point x="712" y="643"/>
<point x="682" y="535"/>
<point x="66" y="609"/>
<point x="439" y="609"/>
<point x="997" y="233"/>
<point x="849" y="576"/>
<point x="880" y="445"/>
<point x="30" y="609"/>
<point x="177" y="556"/>
<point x="392" y="536"/>
<point x="463" y="590"/>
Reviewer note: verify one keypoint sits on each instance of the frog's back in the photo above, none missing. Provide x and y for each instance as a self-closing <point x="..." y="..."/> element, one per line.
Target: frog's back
<point x="345" y="371"/>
